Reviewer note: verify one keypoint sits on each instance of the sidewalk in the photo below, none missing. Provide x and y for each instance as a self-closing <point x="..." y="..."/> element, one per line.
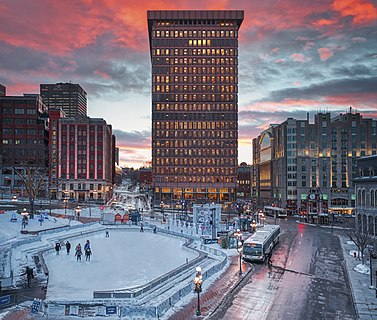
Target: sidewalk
<point x="212" y="297"/>
<point x="365" y="299"/>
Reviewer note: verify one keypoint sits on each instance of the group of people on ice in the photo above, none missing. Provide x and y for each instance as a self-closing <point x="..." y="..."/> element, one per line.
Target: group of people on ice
<point x="78" y="250"/>
<point x="87" y="251"/>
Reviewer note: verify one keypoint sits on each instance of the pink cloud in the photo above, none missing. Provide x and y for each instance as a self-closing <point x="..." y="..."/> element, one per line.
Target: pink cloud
<point x="102" y="74"/>
<point x="298" y="57"/>
<point x="362" y="11"/>
<point x="325" y="53"/>
<point x="323" y="22"/>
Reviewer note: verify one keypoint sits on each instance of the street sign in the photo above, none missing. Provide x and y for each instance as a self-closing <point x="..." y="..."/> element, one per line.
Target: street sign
<point x="111" y="310"/>
<point x="35" y="306"/>
<point x="4" y="300"/>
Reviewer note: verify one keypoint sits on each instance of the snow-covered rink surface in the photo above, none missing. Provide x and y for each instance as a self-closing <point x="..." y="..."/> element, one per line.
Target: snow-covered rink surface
<point x="128" y="258"/>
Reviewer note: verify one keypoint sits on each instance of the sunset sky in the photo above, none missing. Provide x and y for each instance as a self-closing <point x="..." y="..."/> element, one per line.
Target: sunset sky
<point x="295" y="56"/>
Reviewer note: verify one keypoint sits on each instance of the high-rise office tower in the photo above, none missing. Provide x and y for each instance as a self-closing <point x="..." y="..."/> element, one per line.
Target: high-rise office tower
<point x="69" y="97"/>
<point x="23" y="138"/>
<point x="194" y="104"/>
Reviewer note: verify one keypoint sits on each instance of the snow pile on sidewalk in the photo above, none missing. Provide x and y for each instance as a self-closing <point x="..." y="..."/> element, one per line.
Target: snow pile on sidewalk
<point x="361" y="268"/>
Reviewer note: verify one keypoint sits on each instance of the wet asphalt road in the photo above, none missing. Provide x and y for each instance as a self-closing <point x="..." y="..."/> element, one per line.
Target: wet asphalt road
<point x="308" y="280"/>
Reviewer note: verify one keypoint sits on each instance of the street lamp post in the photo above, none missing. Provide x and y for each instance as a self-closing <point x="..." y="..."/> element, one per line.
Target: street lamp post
<point x="370" y="250"/>
<point x="261" y="219"/>
<point x="239" y="248"/>
<point x="198" y="287"/>
<point x="78" y="210"/>
<point x="65" y="205"/>
<point x="254" y="226"/>
<point x="213" y="210"/>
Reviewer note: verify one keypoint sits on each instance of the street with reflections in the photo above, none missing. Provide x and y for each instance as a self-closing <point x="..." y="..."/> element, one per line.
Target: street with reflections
<point x="307" y="280"/>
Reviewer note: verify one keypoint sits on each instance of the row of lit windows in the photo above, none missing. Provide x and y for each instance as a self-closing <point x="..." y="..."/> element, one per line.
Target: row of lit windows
<point x="194" y="97"/>
<point x="195" y="34"/>
<point x="231" y="52"/>
<point x="194" y="79"/>
<point x="197" y="143"/>
<point x="195" y="88"/>
<point x="195" y="107"/>
<point x="194" y="61"/>
<point x="231" y="71"/>
<point x="194" y="125"/>
<point x="194" y="116"/>
<point x="215" y="163"/>
<point x="195" y="179"/>
<point x="194" y="152"/>
<point x="194" y="134"/>
<point x="196" y="171"/>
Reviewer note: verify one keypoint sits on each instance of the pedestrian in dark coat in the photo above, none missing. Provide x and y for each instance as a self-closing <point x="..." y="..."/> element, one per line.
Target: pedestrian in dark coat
<point x="88" y="253"/>
<point x="107" y="233"/>
<point x="29" y="275"/>
<point x="57" y="247"/>
<point x="87" y="245"/>
<point x="68" y="246"/>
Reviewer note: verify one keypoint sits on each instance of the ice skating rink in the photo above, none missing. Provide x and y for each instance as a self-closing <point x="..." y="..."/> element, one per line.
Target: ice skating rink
<point x="123" y="260"/>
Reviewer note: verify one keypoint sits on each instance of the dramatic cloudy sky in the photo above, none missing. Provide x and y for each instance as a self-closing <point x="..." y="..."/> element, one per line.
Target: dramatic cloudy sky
<point x="296" y="56"/>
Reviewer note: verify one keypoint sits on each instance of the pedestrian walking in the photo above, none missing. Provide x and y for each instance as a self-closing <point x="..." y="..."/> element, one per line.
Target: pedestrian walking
<point x="107" y="233"/>
<point x="269" y="261"/>
<point x="57" y="247"/>
<point x="68" y="246"/>
<point x="29" y="275"/>
<point x="154" y="229"/>
<point x="88" y="253"/>
<point x="78" y="253"/>
<point x="141" y="227"/>
<point x="87" y="245"/>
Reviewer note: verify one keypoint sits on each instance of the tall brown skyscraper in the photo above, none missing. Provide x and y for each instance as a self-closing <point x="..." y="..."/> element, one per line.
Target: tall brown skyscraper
<point x="194" y="104"/>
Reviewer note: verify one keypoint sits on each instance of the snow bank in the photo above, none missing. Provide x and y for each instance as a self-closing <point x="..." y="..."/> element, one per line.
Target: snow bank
<point x="361" y="268"/>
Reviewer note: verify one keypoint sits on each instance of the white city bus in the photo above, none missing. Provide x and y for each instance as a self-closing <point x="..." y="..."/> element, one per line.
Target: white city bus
<point x="261" y="243"/>
<point x="271" y="211"/>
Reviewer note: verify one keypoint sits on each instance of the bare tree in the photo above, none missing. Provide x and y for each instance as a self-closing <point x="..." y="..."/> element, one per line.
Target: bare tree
<point x="360" y="236"/>
<point x="34" y="178"/>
